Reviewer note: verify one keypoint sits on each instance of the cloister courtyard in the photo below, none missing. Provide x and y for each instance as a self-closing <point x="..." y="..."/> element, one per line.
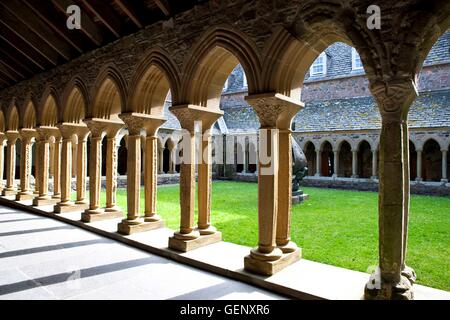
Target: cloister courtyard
<point x="336" y="227"/>
<point x="183" y="129"/>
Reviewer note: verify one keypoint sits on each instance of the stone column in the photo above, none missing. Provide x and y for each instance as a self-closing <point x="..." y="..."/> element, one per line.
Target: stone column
<point x="151" y="176"/>
<point x="392" y="280"/>
<point x="65" y="203"/>
<point x="111" y="168"/>
<point x="2" y="139"/>
<point x="74" y="158"/>
<point x="161" y="159"/>
<point x="10" y="188"/>
<point x="44" y="133"/>
<point x="275" y="113"/>
<point x="27" y="136"/>
<point x="444" y="166"/>
<point x="136" y="122"/>
<point x="374" y="164"/>
<point x="51" y="164"/>
<point x="354" y="164"/>
<point x="246" y="155"/>
<point x="318" y="163"/>
<point x="171" y="147"/>
<point x="82" y="134"/>
<point x="205" y="180"/>
<point x="57" y="168"/>
<point x="419" y="165"/>
<point x="98" y="127"/>
<point x="36" y="165"/>
<point x="188" y="238"/>
<point x="336" y="164"/>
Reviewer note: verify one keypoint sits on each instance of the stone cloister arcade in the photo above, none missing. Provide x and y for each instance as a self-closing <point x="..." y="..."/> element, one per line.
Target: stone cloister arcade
<point x="94" y="99"/>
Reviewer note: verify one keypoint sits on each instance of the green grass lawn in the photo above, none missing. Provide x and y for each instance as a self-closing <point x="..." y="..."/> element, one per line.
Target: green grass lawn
<point x="335" y="227"/>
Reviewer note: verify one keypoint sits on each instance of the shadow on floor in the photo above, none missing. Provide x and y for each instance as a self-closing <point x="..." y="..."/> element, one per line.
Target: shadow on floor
<point x="23" y="252"/>
<point x="19" y="232"/>
<point x="19" y="220"/>
<point x="84" y="273"/>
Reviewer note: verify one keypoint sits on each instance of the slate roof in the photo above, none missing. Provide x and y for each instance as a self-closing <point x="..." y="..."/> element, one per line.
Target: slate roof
<point x="430" y="109"/>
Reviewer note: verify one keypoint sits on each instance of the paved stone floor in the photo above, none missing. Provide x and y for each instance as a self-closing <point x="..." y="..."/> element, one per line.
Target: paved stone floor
<point x="41" y="258"/>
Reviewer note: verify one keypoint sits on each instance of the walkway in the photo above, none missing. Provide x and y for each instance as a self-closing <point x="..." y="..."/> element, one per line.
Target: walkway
<point x="41" y="258"/>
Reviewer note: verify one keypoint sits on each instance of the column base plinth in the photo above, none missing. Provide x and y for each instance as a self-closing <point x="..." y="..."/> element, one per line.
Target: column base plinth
<point x="410" y="274"/>
<point x="288" y="247"/>
<point x="9" y="192"/>
<point x="43" y="201"/>
<point x="206" y="231"/>
<point x="64" y="207"/>
<point x="114" y="209"/>
<point x="377" y="289"/>
<point x="267" y="267"/>
<point x="56" y="196"/>
<point x="98" y="215"/>
<point x="152" y="218"/>
<point x="127" y="228"/>
<point x="185" y="245"/>
<point x="24" y="196"/>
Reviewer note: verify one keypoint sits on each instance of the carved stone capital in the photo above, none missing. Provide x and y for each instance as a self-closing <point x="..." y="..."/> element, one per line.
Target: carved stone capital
<point x="69" y="129"/>
<point x="135" y="122"/>
<point x="274" y="110"/>
<point x="99" y="126"/>
<point x="27" y="135"/>
<point x="11" y="136"/>
<point x="188" y="114"/>
<point x="2" y="137"/>
<point x="394" y="97"/>
<point x="44" y="133"/>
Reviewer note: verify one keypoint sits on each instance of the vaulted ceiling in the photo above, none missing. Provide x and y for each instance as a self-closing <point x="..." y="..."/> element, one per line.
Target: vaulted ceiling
<point x="34" y="36"/>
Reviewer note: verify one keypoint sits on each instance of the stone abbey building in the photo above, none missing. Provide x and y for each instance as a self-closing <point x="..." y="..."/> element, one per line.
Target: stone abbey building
<point x="340" y="125"/>
<point x="67" y="95"/>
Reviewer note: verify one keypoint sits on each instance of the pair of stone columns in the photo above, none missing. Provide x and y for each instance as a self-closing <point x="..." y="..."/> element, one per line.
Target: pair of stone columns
<point x="189" y="237"/>
<point x="11" y="138"/>
<point x="27" y="136"/>
<point x="67" y="131"/>
<point x="44" y="134"/>
<point x="275" y="249"/>
<point x="135" y="122"/>
<point x="111" y="128"/>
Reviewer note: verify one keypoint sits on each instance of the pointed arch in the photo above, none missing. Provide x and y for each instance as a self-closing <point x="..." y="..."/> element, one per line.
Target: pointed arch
<point x="49" y="107"/>
<point x="2" y="122"/>
<point x="29" y="116"/>
<point x="109" y="94"/>
<point x="213" y="58"/>
<point x="155" y="75"/>
<point x="12" y="118"/>
<point x="75" y="101"/>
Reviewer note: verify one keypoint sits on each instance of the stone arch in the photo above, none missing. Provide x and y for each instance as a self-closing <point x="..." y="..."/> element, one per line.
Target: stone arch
<point x="364" y="159"/>
<point x="75" y="101"/>
<point x="12" y="118"/>
<point x="155" y="76"/>
<point x="326" y="159"/>
<point x="29" y="116"/>
<point x="109" y="92"/>
<point x="49" y="108"/>
<point x="213" y="58"/>
<point x="310" y="153"/>
<point x="412" y="161"/>
<point x="432" y="161"/>
<point x="122" y="156"/>
<point x="287" y="61"/>
<point x="2" y="122"/>
<point x="345" y="159"/>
